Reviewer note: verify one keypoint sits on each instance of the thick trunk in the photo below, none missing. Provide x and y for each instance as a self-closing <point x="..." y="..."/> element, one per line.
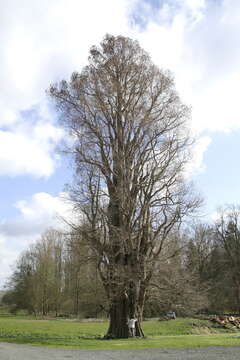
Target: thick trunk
<point x="121" y="310"/>
<point x="122" y="282"/>
<point x="118" y="327"/>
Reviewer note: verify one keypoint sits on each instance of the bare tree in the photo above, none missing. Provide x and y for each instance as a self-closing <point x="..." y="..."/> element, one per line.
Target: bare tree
<point x="131" y="145"/>
<point x="228" y="235"/>
<point x="199" y="247"/>
<point x="82" y="280"/>
<point x="46" y="259"/>
<point x="175" y="284"/>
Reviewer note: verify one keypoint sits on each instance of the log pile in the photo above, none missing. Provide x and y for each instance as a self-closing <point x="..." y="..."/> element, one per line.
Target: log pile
<point x="227" y="322"/>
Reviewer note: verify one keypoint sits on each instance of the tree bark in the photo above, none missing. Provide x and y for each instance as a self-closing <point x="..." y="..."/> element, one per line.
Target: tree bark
<point x="118" y="327"/>
<point x="122" y="309"/>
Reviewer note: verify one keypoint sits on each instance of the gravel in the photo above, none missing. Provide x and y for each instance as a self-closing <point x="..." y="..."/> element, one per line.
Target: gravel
<point x="23" y="352"/>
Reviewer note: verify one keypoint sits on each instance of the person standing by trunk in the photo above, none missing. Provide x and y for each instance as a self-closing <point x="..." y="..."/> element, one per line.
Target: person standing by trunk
<point x="131" y="324"/>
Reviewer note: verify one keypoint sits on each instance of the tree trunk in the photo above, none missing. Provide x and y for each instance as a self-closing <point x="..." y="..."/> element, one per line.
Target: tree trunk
<point x="121" y="310"/>
<point x="123" y="281"/>
<point x="118" y="327"/>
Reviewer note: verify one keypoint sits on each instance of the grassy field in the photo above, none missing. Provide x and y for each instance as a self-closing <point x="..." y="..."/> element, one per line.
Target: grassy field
<point x="87" y="335"/>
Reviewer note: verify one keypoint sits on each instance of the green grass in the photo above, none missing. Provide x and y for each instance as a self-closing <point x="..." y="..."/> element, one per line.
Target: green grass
<point x="180" y="326"/>
<point x="86" y="335"/>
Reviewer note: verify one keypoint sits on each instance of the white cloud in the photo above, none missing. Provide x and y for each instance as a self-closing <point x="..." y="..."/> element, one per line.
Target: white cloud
<point x="7" y="261"/>
<point x="164" y="43"/>
<point x="29" y="149"/>
<point x="36" y="215"/>
<point x="195" y="6"/>
<point x="196" y="165"/>
<point x="199" y="44"/>
<point x="42" y="42"/>
<point x="48" y="40"/>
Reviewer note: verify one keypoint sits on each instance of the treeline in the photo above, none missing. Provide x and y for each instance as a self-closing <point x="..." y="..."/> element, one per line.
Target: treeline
<point x="56" y="275"/>
<point x="197" y="271"/>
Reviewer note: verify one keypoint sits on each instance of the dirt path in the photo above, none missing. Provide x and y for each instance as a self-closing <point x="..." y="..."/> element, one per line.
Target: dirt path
<point x="22" y="352"/>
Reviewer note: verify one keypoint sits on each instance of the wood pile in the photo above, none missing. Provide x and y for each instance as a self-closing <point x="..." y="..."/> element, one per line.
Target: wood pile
<point x="227" y="322"/>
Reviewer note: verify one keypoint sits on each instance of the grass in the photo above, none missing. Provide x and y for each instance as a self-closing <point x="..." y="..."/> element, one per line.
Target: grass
<point x="87" y="335"/>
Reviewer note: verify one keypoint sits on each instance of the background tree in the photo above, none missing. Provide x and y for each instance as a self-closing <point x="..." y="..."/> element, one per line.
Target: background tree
<point x="220" y="286"/>
<point x="199" y="247"/>
<point x="175" y="286"/>
<point x="228" y="236"/>
<point x="131" y="147"/>
<point x="37" y="283"/>
<point x="19" y="293"/>
<point x="57" y="275"/>
<point x="83" y="289"/>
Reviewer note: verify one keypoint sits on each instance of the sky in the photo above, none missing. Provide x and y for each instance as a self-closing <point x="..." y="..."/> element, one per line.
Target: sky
<point x="44" y="41"/>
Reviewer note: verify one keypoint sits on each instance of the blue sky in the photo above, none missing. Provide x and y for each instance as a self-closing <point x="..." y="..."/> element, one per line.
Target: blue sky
<point x="44" y="41"/>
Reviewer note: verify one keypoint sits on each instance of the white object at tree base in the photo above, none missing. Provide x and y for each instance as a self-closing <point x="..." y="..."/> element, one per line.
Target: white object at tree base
<point x="131" y="324"/>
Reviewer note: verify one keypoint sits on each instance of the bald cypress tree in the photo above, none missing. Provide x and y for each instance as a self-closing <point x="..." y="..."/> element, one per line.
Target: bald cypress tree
<point x="130" y="147"/>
